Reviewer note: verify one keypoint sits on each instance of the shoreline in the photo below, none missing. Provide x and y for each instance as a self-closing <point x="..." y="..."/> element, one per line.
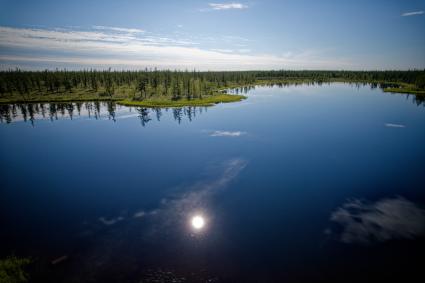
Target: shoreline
<point x="156" y="102"/>
<point x="219" y="97"/>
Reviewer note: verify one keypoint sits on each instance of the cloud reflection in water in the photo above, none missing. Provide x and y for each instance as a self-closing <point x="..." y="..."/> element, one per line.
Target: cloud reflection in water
<point x="179" y="209"/>
<point x="227" y="133"/>
<point x="386" y="219"/>
<point x="196" y="198"/>
<point x="111" y="221"/>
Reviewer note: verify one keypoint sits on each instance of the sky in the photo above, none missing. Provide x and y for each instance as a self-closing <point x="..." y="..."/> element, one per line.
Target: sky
<point x="212" y="35"/>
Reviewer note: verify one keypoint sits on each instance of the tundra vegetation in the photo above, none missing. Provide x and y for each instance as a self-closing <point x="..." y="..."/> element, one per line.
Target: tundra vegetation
<point x="12" y="269"/>
<point x="165" y="88"/>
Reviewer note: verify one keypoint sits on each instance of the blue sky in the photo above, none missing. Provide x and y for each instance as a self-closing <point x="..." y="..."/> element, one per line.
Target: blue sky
<point x="213" y="35"/>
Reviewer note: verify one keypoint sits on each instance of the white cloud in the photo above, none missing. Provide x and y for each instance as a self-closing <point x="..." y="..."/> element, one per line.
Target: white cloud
<point x="223" y="50"/>
<point x="415" y="13"/>
<point x="390" y="125"/>
<point x="227" y="6"/>
<point x="128" y="49"/>
<point x="69" y="38"/>
<point x="227" y="134"/>
<point x="118" y="29"/>
<point x="139" y="214"/>
<point x="241" y="50"/>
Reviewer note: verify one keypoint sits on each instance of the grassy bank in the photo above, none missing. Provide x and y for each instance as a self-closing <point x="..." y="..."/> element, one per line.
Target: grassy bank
<point x="406" y="89"/>
<point x="162" y="101"/>
<point x="167" y="102"/>
<point x="124" y="96"/>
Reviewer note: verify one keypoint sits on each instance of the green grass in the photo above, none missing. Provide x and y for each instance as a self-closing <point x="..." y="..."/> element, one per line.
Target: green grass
<point x="410" y="90"/>
<point x="122" y="95"/>
<point x="167" y="102"/>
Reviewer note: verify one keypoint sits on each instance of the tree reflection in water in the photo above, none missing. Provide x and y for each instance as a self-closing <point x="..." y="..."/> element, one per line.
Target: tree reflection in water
<point x="143" y="115"/>
<point x="92" y="110"/>
<point x="101" y="110"/>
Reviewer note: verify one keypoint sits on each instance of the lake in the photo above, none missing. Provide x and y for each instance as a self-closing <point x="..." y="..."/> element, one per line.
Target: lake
<point x="295" y="183"/>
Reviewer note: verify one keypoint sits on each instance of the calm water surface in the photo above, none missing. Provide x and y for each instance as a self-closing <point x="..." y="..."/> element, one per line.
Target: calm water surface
<point x="300" y="183"/>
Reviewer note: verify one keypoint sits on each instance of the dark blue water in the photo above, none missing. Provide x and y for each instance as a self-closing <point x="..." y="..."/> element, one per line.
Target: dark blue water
<point x="301" y="183"/>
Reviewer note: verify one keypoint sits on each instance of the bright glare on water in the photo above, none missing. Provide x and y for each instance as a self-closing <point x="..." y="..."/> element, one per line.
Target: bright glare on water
<point x="198" y="222"/>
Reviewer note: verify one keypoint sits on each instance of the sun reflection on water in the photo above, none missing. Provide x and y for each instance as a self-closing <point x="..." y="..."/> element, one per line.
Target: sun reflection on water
<point x="198" y="222"/>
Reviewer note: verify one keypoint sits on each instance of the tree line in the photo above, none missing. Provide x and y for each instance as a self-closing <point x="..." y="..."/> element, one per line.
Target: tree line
<point x="179" y="84"/>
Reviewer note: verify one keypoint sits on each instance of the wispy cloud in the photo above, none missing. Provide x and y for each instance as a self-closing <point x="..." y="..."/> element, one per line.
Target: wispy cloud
<point x="139" y="214"/>
<point x="227" y="133"/>
<point x="390" y="125"/>
<point x="103" y="47"/>
<point x="242" y="50"/>
<point x="223" y="50"/>
<point x="227" y="6"/>
<point x="118" y="29"/>
<point x="196" y="197"/>
<point x="74" y="38"/>
<point x="387" y="219"/>
<point x="414" y="13"/>
<point x="111" y="221"/>
<point x="192" y="199"/>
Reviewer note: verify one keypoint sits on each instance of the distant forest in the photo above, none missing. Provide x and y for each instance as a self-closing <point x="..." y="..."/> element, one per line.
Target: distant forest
<point x="140" y="85"/>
